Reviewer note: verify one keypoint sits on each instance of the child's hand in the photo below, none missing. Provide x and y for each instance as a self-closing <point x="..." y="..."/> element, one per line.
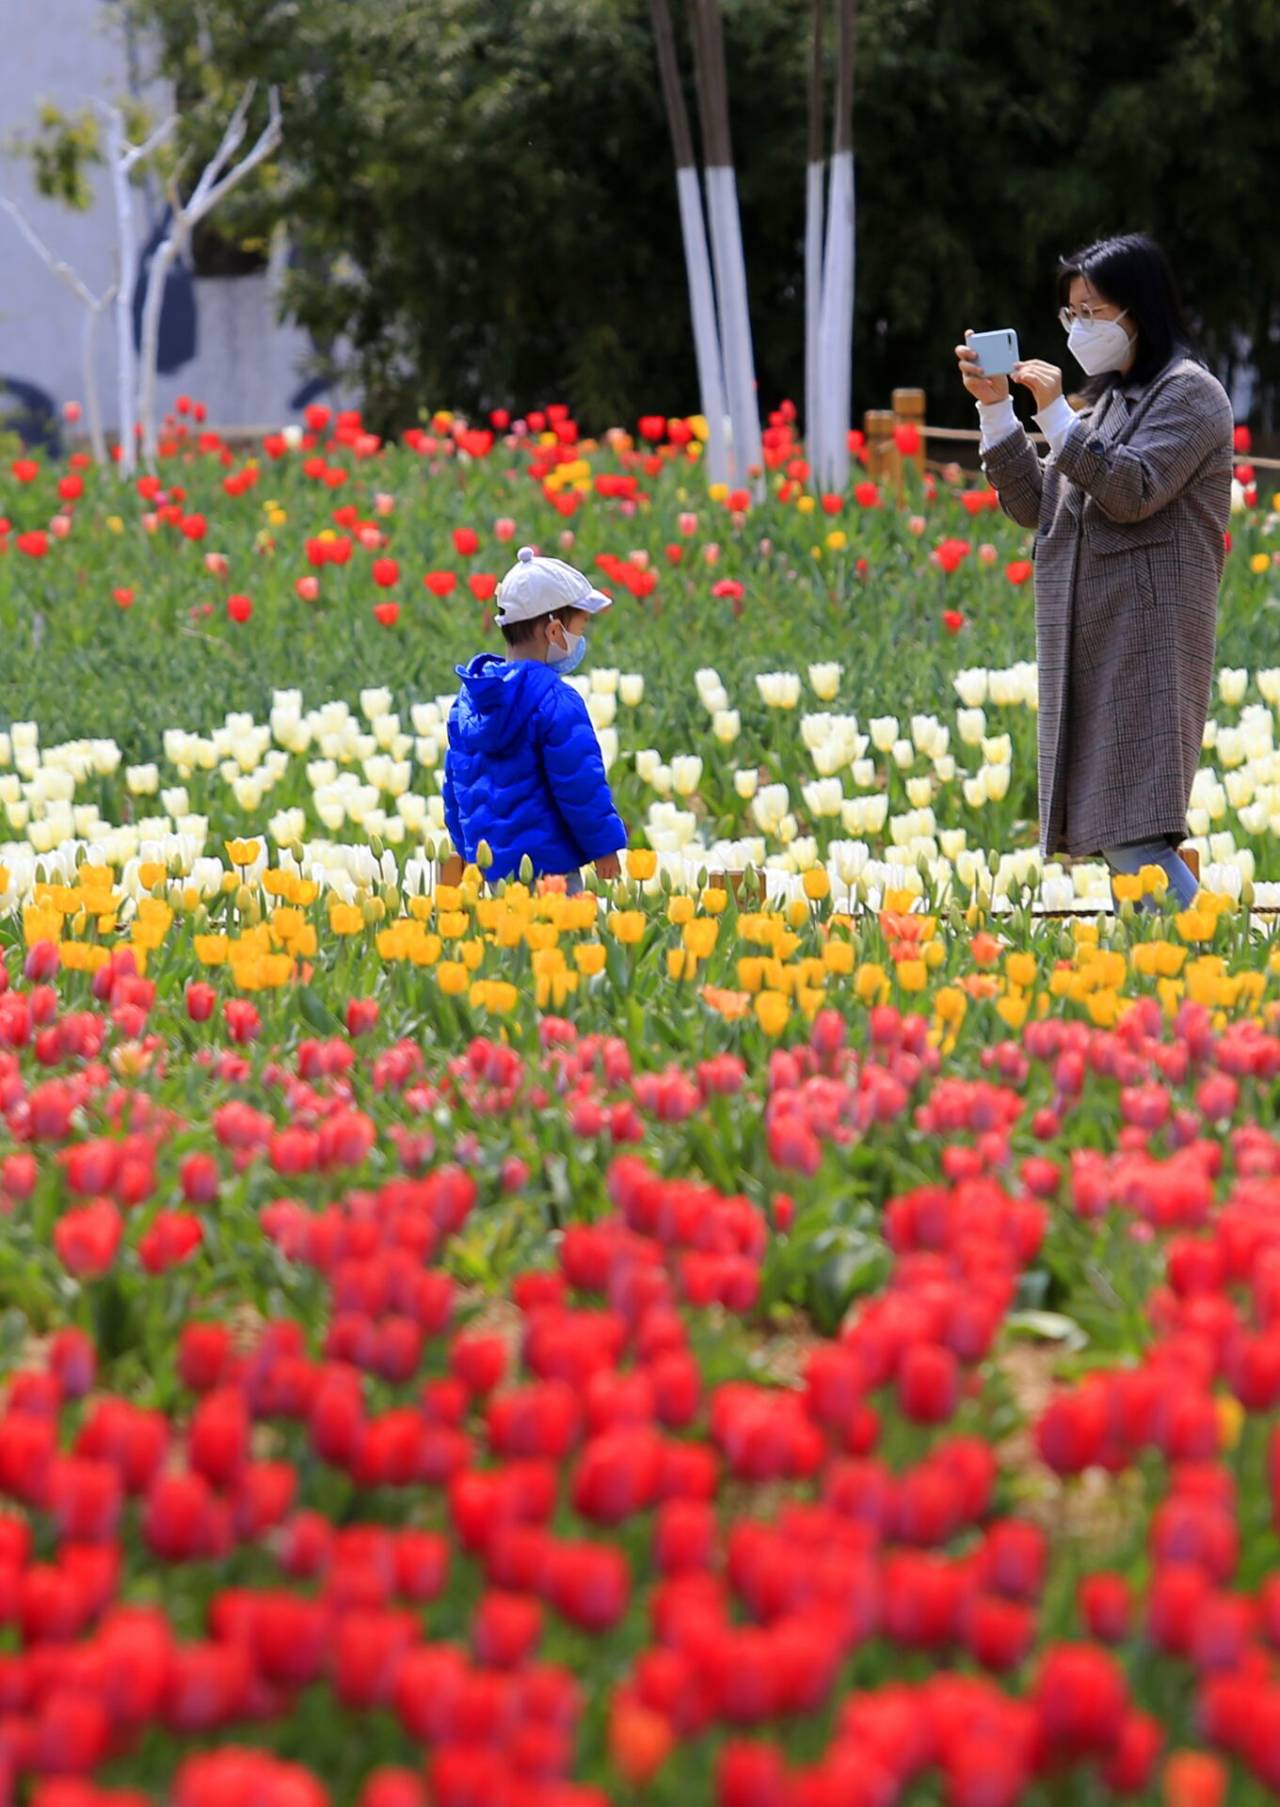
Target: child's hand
<point x="609" y="866"/>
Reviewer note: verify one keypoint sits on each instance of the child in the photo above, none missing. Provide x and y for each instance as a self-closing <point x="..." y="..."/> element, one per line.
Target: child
<point x="523" y="771"/>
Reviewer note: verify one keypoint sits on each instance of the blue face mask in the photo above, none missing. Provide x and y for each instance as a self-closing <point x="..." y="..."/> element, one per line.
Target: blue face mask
<point x="575" y="651"/>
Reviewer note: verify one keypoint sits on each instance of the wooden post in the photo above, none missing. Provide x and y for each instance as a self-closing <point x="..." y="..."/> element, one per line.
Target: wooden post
<point x="1191" y="858"/>
<point x="452" y="869"/>
<point x="908" y="408"/>
<point x="883" y="464"/>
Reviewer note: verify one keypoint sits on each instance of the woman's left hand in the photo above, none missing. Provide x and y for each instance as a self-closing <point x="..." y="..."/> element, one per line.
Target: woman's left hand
<point x="1043" y="380"/>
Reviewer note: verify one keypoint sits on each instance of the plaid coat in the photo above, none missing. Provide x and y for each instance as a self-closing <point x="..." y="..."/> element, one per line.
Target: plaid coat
<point x="1129" y="549"/>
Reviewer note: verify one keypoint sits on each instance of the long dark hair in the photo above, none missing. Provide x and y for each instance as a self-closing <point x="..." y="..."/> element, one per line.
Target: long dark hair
<point x="1131" y="271"/>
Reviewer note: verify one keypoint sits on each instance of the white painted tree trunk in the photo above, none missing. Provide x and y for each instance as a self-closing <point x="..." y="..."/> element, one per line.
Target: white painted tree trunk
<point x="706" y="337"/>
<point x="89" y="368"/>
<point x="735" y="325"/>
<point x="814" y="195"/>
<point x="836" y="326"/>
<point x="118" y="157"/>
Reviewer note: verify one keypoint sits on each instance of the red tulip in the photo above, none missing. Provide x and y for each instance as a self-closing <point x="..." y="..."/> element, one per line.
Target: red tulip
<point x="33" y="544"/>
<point x="482" y="585"/>
<point x="386" y="573"/>
<point x="386" y="614"/>
<point x="87" y="1238"/>
<point x="239" y="608"/>
<point x="201" y="999"/>
<point x="1018" y="570"/>
<point x="123" y="597"/>
<point x="307" y="588"/>
<point x="466" y="541"/>
<point x="952" y="620"/>
<point x="440" y="583"/>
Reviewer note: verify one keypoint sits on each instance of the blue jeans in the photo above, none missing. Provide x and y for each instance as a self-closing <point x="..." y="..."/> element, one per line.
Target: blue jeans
<point x="1134" y="855"/>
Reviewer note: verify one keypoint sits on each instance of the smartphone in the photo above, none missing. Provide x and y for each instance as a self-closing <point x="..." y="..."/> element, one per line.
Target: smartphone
<point x="996" y="352"/>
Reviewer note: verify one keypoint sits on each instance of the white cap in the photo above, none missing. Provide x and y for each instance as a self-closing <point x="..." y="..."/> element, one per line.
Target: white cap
<point x="534" y="586"/>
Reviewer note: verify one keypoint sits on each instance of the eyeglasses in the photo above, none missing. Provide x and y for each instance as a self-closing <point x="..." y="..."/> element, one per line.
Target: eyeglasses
<point x="1085" y="313"/>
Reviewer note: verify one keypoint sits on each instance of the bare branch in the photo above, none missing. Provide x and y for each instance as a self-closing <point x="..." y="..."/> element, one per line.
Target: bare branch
<point x="269" y="141"/>
<point x="232" y="138"/>
<point x="60" y="268"/>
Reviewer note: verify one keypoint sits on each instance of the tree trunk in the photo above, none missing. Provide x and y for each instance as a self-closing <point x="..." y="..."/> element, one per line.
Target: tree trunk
<point x="836" y="326"/>
<point x="124" y="298"/>
<point x="89" y="376"/>
<point x="726" y="245"/>
<point x="813" y="231"/>
<point x="702" y="305"/>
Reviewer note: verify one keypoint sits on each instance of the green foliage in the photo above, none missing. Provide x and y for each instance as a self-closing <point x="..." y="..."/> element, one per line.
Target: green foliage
<point x="480" y="192"/>
<point x="63" y="152"/>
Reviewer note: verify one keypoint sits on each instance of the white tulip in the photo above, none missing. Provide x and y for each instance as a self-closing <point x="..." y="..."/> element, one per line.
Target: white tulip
<point x="631" y="689"/>
<point x="944" y="768"/>
<point x="426" y="718"/>
<point x="971" y="686"/>
<point x="746" y="782"/>
<point x="1230" y="748"/>
<point x="726" y="725"/>
<point x="1255" y="819"/>
<point x="875" y="810"/>
<point x="648" y="759"/>
<point x="374" y="703"/>
<point x="823" y="797"/>
<point x="602" y="707"/>
<point x="998" y="750"/>
<point x="971" y="726"/>
<point x="769" y="806"/>
<point x="919" y="792"/>
<point x="884" y="731"/>
<point x="1222" y="846"/>
<point x="661" y="780"/>
<point x="715" y="699"/>
<point x="975" y="789"/>
<point x="1239" y="786"/>
<point x="608" y="741"/>
<point x="604" y="680"/>
<point x="1232" y="684"/>
<point x="707" y="678"/>
<point x="1197" y="821"/>
<point x="864" y="773"/>
<point x="1268" y="683"/>
<point x="904" y="755"/>
<point x="824" y="680"/>
<point x="142" y="780"/>
<point x="686" y="774"/>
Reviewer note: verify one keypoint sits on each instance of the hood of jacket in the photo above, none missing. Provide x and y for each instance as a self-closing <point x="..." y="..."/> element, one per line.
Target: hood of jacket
<point x="496" y="700"/>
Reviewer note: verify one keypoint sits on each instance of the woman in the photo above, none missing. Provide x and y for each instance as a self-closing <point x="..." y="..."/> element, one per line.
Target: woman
<point x="1130" y="509"/>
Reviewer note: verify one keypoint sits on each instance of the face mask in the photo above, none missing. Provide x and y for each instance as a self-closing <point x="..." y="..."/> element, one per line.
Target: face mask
<point x="1099" y="345"/>
<point x="575" y="651"/>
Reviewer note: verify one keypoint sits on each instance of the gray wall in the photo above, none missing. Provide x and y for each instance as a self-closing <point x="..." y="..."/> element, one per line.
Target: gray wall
<point x="246" y="368"/>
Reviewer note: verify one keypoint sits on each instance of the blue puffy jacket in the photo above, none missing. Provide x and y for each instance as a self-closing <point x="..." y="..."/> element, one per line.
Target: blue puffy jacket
<point x="523" y="771"/>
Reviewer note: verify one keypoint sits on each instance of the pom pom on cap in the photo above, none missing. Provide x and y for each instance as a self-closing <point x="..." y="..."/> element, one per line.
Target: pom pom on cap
<point x="526" y="555"/>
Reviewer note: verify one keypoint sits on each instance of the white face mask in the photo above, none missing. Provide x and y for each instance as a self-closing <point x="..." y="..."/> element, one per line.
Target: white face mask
<point x="1099" y="345"/>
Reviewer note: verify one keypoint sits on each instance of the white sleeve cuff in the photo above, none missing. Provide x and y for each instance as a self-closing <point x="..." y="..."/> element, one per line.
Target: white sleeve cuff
<point x="997" y="420"/>
<point x="1056" y="421"/>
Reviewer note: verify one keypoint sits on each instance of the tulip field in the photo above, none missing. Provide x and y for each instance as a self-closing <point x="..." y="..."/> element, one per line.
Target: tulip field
<point x="796" y="1326"/>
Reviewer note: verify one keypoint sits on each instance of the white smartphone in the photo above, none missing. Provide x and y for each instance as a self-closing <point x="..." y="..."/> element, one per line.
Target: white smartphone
<point x="996" y="352"/>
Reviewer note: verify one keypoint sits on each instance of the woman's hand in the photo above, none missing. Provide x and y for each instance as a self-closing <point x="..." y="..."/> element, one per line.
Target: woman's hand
<point x="1043" y="380"/>
<point x="981" y="388"/>
<point x="608" y="866"/>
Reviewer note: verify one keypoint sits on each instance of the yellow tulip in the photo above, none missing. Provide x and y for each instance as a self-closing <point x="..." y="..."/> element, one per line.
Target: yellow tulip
<point x="1020" y="970"/>
<point x="243" y="853"/>
<point x="680" y="910"/>
<point x="452" y="978"/>
<point x="838" y="957"/>
<point x="951" y="1005"/>
<point x="715" y="901"/>
<point x="817" y="884"/>
<point x="1012" y="1011"/>
<point x="626" y="926"/>
<point x="772" y="1011"/>
<point x="870" y="983"/>
<point x="699" y="936"/>
<point x="1260" y="562"/>
<point x="345" y="919"/>
<point x="681" y="964"/>
<point x="913" y="975"/>
<point x="642" y="863"/>
<point x="589" y="958"/>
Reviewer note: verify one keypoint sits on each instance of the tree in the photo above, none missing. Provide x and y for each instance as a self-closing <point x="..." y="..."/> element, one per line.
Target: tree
<point x="478" y="192"/>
